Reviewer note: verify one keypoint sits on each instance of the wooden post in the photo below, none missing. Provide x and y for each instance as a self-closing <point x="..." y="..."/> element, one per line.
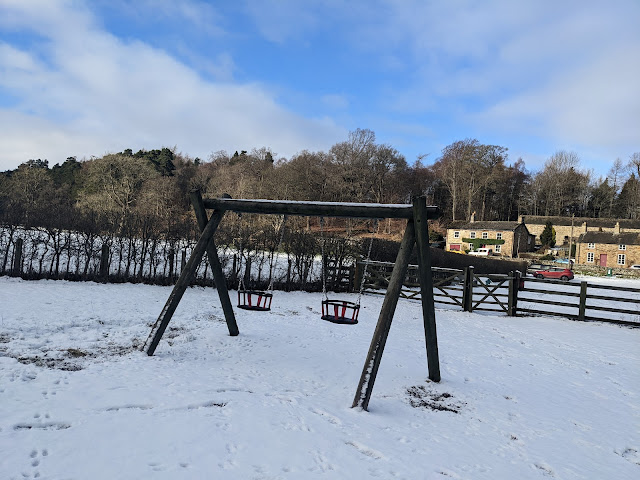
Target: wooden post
<point x="583" y="300"/>
<point x="16" y="266"/>
<point x="104" y="262"/>
<point x="234" y="267"/>
<point x="216" y="268"/>
<point x="181" y="285"/>
<point x="172" y="259"/>
<point x="426" y="286"/>
<point x="514" y="286"/>
<point x="372" y="363"/>
<point x="246" y="279"/>
<point x="467" y="289"/>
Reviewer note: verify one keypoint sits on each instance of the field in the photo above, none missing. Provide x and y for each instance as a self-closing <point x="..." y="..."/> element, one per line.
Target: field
<point x="520" y="398"/>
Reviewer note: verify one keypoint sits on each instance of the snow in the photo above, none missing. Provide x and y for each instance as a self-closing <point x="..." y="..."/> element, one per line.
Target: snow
<point x="520" y="398"/>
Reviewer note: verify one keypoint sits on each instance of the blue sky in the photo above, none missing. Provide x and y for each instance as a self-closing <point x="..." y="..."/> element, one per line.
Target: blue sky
<point x="85" y="78"/>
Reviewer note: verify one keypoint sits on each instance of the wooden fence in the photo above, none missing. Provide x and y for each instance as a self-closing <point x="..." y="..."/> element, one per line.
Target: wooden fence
<point x="63" y="255"/>
<point x="515" y="295"/>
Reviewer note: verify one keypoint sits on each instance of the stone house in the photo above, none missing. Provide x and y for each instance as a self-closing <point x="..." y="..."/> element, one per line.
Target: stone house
<point x="506" y="239"/>
<point x="568" y="227"/>
<point x="609" y="249"/>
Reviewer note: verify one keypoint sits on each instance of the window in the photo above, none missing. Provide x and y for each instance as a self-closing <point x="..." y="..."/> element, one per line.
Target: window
<point x="473" y="235"/>
<point x="622" y="247"/>
<point x="590" y="257"/>
<point x="485" y="234"/>
<point x="456" y="234"/>
<point x="498" y="248"/>
<point x="591" y="245"/>
<point x="621" y="259"/>
<point x="499" y="235"/>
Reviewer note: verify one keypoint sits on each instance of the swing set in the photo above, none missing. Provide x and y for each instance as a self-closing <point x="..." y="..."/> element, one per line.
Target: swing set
<point x="337" y="311"/>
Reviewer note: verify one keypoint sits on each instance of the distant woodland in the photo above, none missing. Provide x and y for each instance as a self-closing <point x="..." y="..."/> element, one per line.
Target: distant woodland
<point x="145" y="193"/>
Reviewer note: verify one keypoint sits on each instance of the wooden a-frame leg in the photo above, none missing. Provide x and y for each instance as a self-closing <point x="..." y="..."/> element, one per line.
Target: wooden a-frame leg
<point x="216" y="267"/>
<point x="372" y="363"/>
<point x="181" y="285"/>
<point x="426" y="287"/>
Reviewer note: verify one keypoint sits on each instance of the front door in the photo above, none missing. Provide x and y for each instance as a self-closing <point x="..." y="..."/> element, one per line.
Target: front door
<point x="603" y="259"/>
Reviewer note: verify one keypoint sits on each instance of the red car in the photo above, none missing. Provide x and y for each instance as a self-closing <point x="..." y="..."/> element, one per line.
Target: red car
<point x="563" y="274"/>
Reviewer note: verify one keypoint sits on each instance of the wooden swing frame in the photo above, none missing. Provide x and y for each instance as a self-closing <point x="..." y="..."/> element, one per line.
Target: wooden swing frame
<point x="416" y="233"/>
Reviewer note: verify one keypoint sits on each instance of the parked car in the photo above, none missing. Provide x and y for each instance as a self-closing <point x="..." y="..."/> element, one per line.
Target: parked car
<point x="534" y="267"/>
<point x="563" y="260"/>
<point x="563" y="274"/>
<point x="635" y="267"/>
<point x="486" y="252"/>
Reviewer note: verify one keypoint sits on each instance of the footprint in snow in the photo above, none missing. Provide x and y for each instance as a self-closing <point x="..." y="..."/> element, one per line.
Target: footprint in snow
<point x="369" y="452"/>
<point x="330" y="418"/>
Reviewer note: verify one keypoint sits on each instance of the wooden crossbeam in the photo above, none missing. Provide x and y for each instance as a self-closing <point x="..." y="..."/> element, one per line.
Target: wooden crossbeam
<point x="320" y="209"/>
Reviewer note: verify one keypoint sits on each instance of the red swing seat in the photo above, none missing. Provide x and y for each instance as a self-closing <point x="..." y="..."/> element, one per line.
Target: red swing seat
<point x="256" y="300"/>
<point x="340" y="311"/>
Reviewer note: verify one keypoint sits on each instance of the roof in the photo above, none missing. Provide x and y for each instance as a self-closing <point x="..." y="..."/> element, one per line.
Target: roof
<point x="577" y="221"/>
<point x="625" y="238"/>
<point x="485" y="225"/>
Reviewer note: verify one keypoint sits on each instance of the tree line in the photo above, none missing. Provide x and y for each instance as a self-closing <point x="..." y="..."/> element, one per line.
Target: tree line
<point x="144" y="195"/>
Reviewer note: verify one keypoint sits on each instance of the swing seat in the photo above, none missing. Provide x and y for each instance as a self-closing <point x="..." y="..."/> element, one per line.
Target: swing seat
<point x="340" y="311"/>
<point x="255" y="300"/>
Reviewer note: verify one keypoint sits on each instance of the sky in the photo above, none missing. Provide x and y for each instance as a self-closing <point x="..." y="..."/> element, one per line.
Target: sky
<point x="85" y="78"/>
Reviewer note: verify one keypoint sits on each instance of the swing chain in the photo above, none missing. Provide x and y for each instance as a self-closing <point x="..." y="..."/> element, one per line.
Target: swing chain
<point x="284" y="221"/>
<point x="324" y="272"/>
<point x="366" y="263"/>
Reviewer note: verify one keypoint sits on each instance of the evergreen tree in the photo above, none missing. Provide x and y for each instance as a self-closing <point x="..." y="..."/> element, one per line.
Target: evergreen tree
<point x="548" y="235"/>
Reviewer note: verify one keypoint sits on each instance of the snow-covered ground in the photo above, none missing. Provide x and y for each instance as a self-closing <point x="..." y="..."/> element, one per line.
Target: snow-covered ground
<point x="520" y="398"/>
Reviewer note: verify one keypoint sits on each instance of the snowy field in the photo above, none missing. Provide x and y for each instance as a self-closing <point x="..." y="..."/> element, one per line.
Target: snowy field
<point x="520" y="398"/>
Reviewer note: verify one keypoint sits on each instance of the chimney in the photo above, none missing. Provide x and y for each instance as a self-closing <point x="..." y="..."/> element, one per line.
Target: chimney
<point x="473" y="217"/>
<point x="521" y="219"/>
<point x="616" y="229"/>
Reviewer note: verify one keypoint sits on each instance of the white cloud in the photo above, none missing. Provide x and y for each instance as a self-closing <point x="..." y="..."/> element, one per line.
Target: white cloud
<point x="84" y="92"/>
<point x="566" y="74"/>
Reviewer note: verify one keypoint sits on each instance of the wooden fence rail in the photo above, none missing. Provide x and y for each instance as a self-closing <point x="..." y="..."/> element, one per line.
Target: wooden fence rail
<point x="515" y="296"/>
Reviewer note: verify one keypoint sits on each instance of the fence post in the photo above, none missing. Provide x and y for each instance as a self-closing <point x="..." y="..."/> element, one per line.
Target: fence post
<point x="514" y="286"/>
<point x="247" y="272"/>
<point x="104" y="262"/>
<point x="234" y="274"/>
<point x="16" y="266"/>
<point x="172" y="259"/>
<point x="467" y="289"/>
<point x="583" y="300"/>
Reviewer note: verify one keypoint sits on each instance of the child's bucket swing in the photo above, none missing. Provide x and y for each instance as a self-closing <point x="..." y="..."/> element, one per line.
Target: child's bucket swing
<point x="259" y="300"/>
<point x="342" y="312"/>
